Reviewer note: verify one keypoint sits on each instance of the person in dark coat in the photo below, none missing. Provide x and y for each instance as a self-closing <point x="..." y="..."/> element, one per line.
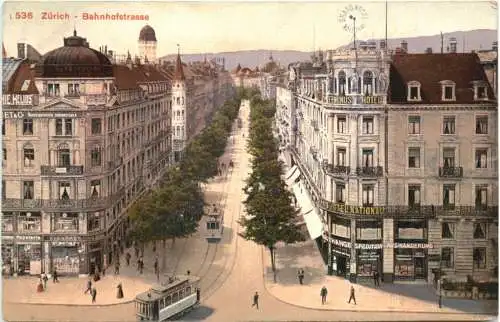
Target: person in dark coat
<point x="376" y="278"/>
<point x="119" y="294"/>
<point x="39" y="286"/>
<point x="55" y="278"/>
<point x="45" y="279"/>
<point x="127" y="258"/>
<point x="89" y="287"/>
<point x="117" y="268"/>
<point x="323" y="293"/>
<point x="256" y="300"/>
<point x="352" y="296"/>
<point x="94" y="294"/>
<point x="300" y="275"/>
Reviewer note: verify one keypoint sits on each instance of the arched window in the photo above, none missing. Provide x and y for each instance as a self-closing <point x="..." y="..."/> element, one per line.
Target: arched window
<point x="182" y="112"/>
<point x="342" y="83"/>
<point x="368" y="83"/>
<point x="178" y="129"/>
<point x="178" y="100"/>
<point x="64" y="155"/>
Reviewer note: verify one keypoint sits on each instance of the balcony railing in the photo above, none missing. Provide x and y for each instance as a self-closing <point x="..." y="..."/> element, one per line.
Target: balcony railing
<point x="73" y="170"/>
<point x="11" y="204"/>
<point x="377" y="171"/>
<point x="337" y="170"/>
<point x="451" y="172"/>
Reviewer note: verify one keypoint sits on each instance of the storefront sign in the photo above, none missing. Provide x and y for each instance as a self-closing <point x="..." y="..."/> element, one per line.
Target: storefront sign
<point x="38" y="115"/>
<point x="29" y="238"/>
<point x="412" y="245"/>
<point x="347" y="244"/>
<point x="350" y="100"/>
<point x="17" y="99"/>
<point x="7" y="237"/>
<point x="70" y="239"/>
<point x="368" y="255"/>
<point x="355" y="210"/>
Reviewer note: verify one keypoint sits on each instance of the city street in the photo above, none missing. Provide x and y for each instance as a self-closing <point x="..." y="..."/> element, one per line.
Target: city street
<point x="231" y="272"/>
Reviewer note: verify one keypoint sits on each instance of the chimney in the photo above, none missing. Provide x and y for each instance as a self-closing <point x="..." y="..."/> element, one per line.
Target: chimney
<point x="494" y="46"/>
<point x="382" y="44"/>
<point x="21" y="51"/>
<point x="428" y="50"/>
<point x="106" y="50"/>
<point x="453" y="45"/>
<point x="404" y="46"/>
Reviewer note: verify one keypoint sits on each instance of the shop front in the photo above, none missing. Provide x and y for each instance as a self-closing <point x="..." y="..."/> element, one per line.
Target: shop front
<point x="29" y="255"/>
<point x="7" y="255"/>
<point x="368" y="261"/>
<point x="66" y="254"/>
<point x="410" y="261"/>
<point x="340" y="256"/>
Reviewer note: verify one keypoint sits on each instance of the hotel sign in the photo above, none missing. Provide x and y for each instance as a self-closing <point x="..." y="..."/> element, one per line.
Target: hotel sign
<point x="18" y="99"/>
<point x="354" y="210"/>
<point x="351" y="100"/>
<point x="38" y="115"/>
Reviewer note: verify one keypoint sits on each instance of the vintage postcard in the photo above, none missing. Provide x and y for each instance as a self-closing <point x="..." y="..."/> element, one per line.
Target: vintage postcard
<point x="249" y="161"/>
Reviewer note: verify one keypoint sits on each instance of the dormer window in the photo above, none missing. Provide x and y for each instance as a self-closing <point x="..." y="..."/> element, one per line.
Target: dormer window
<point x="480" y="91"/>
<point x="414" y="92"/>
<point x="448" y="91"/>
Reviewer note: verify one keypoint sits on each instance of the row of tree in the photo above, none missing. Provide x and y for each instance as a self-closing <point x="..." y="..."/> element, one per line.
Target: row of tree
<point x="271" y="217"/>
<point x="174" y="207"/>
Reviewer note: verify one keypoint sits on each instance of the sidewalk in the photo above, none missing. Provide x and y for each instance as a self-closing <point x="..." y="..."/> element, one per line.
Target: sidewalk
<point x="69" y="291"/>
<point x="385" y="298"/>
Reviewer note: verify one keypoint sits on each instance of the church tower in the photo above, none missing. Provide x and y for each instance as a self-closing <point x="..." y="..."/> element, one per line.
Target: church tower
<point x="179" y="112"/>
<point x="147" y="45"/>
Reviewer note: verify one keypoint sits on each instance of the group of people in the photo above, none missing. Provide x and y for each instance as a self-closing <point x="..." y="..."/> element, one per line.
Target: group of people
<point x="324" y="292"/>
<point x="223" y="168"/>
<point x="42" y="282"/>
<point x="91" y="289"/>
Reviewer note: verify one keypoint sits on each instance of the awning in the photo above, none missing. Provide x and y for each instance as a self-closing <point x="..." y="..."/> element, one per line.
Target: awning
<point x="290" y="172"/>
<point x="303" y="200"/>
<point x="293" y="177"/>
<point x="308" y="211"/>
<point x="314" y="224"/>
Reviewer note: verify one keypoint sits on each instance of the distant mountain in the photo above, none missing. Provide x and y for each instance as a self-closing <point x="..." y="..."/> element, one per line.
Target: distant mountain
<point x="466" y="41"/>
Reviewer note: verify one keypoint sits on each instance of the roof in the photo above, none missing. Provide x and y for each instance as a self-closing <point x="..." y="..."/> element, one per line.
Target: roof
<point x="9" y="67"/>
<point x="429" y="70"/>
<point x="179" y="71"/>
<point x="130" y="78"/>
<point x="23" y="81"/>
<point x="4" y="52"/>
<point x="147" y="34"/>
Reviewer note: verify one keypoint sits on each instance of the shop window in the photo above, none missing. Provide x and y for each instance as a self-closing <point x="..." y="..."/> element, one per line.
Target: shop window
<point x="414" y="195"/>
<point x="367" y="124"/>
<point x="96" y="126"/>
<point x="481" y="197"/>
<point x="64" y="155"/>
<point x="449" y="196"/>
<point x="449" y="125"/>
<point x="28" y="190"/>
<point x="64" y="190"/>
<point x="95" y="188"/>
<point x="340" y="193"/>
<point x="27" y="126"/>
<point x="448" y="157"/>
<point x="481" y="158"/>
<point x="404" y="264"/>
<point x="367" y="158"/>
<point x="8" y="221"/>
<point x="65" y="222"/>
<point x="479" y="257"/>
<point x="447" y="257"/>
<point x="29" y="155"/>
<point x="479" y="231"/>
<point x="414" y="124"/>
<point x="411" y="229"/>
<point x="368" y="230"/>
<point x="368" y="195"/>
<point x="341" y="156"/>
<point x="447" y="230"/>
<point x="29" y="222"/>
<point x="413" y="157"/>
<point x="95" y="156"/>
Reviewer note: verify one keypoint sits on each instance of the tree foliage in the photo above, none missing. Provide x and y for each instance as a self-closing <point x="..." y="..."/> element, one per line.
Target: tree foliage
<point x="271" y="216"/>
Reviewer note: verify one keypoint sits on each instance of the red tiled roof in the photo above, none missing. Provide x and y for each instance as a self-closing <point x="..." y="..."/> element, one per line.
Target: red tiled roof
<point x="130" y="78"/>
<point x="23" y="73"/>
<point x="429" y="70"/>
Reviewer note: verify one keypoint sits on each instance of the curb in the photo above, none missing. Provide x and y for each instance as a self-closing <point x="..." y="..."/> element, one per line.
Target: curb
<point x="71" y="305"/>
<point x="359" y="311"/>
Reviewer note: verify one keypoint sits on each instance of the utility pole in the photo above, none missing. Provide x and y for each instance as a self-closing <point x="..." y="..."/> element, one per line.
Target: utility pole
<point x="386" y="44"/>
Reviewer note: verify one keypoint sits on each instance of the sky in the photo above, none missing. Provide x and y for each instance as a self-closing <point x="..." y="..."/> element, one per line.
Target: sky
<point x="230" y="26"/>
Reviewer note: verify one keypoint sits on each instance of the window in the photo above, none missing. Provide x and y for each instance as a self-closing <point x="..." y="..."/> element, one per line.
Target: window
<point x="368" y="195"/>
<point x="482" y="93"/>
<point x="342" y="82"/>
<point x="447" y="257"/>
<point x="3" y="127"/>
<point x="449" y="196"/>
<point x="481" y="158"/>
<point x="95" y="156"/>
<point x="413" y="124"/>
<point x="73" y="89"/>
<point x="367" y="124"/>
<point x="448" y="92"/>
<point x="414" y="195"/>
<point x="447" y="230"/>
<point x="64" y="190"/>
<point x="26" y="85"/>
<point x="64" y="155"/>
<point x="479" y="257"/>
<point x="482" y="125"/>
<point x="481" y="196"/>
<point x="29" y="156"/>
<point x="28" y="127"/>
<point x="4" y="154"/>
<point x="53" y="89"/>
<point x="64" y="127"/>
<point x="413" y="157"/>
<point x="96" y="126"/>
<point x="367" y="158"/>
<point x="449" y="125"/>
<point x="341" y="156"/>
<point x="341" y="124"/>
<point x="4" y="190"/>
<point x="59" y="127"/>
<point x="414" y="93"/>
<point x="479" y="230"/>
<point x="340" y="193"/>
<point x="368" y="83"/>
<point x="65" y="222"/>
<point x="28" y="190"/>
<point x="448" y="157"/>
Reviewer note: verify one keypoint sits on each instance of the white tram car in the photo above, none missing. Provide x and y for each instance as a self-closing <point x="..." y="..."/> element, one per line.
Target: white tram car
<point x="214" y="225"/>
<point x="168" y="301"/>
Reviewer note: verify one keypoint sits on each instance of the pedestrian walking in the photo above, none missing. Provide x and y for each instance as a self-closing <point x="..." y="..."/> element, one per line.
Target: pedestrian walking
<point x="119" y="294"/>
<point x="39" y="286"/>
<point x="256" y="300"/>
<point x="94" y="294"/>
<point x="300" y="276"/>
<point x="352" y="297"/>
<point x="323" y="293"/>
<point x="136" y="249"/>
<point x="127" y="258"/>
<point x="89" y="287"/>
<point x="117" y="268"/>
<point x="55" y="278"/>
<point x="45" y="278"/>
<point x="104" y="267"/>
<point x="141" y="265"/>
<point x="376" y="278"/>
<point x="188" y="272"/>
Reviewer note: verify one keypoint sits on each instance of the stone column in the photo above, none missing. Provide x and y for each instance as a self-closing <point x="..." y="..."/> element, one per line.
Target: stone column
<point x="388" y="251"/>
<point x="46" y="258"/>
<point x="353" y="262"/>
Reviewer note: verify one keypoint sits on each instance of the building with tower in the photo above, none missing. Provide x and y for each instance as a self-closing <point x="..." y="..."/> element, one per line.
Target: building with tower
<point x="147" y="45"/>
<point x="179" y="114"/>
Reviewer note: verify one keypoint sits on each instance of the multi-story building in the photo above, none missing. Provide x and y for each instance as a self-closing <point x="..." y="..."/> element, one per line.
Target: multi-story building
<point x="394" y="161"/>
<point x="82" y="139"/>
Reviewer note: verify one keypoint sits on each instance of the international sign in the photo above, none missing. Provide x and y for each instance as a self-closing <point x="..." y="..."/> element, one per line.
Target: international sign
<point x="38" y="115"/>
<point x="355" y="210"/>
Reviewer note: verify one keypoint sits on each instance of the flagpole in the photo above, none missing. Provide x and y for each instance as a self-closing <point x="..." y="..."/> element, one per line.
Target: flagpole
<point x="386" y="44"/>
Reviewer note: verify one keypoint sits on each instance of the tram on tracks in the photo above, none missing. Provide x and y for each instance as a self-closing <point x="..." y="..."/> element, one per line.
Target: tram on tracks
<point x="168" y="301"/>
<point x="214" y="224"/>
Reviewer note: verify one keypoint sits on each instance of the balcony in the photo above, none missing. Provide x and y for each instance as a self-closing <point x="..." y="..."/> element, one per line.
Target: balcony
<point x="91" y="204"/>
<point x="69" y="170"/>
<point x="337" y="170"/>
<point x="377" y="171"/>
<point x="451" y="172"/>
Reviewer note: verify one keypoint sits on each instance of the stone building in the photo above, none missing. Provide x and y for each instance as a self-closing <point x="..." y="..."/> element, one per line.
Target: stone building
<point x="147" y="45"/>
<point x="393" y="162"/>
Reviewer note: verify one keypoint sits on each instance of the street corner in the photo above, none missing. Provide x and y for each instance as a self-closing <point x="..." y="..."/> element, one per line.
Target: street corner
<point x="71" y="291"/>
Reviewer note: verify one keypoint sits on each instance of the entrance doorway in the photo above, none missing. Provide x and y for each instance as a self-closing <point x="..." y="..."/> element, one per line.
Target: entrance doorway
<point x="341" y="265"/>
<point x="420" y="269"/>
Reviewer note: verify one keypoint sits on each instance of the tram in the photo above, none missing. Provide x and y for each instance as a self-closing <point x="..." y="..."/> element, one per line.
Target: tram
<point x="215" y="225"/>
<point x="167" y="301"/>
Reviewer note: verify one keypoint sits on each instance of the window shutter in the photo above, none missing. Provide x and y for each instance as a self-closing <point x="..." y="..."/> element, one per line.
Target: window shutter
<point x="342" y="193"/>
<point x="370" y="195"/>
<point x="370" y="160"/>
<point x="416" y="195"/>
<point x="483" y="160"/>
<point x="451" y="194"/>
<point x="484" y="196"/>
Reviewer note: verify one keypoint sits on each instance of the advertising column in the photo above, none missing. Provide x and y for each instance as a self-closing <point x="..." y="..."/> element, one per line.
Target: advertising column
<point x="388" y="251"/>
<point x="352" y="270"/>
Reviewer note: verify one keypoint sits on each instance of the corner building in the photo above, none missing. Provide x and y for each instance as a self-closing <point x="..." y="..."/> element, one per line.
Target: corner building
<point x="375" y="197"/>
<point x="82" y="139"/>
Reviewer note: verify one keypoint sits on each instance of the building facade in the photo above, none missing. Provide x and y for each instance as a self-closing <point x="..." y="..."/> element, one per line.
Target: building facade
<point x="383" y="183"/>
